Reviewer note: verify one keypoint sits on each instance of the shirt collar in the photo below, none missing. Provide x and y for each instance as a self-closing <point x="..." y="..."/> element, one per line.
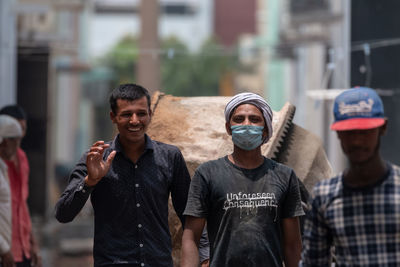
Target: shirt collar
<point x="117" y="146"/>
<point x="389" y="172"/>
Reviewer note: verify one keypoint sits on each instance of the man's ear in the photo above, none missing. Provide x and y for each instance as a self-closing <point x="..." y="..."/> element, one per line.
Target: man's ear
<point x="112" y="116"/>
<point x="383" y="128"/>
<point x="228" y="128"/>
<point x="265" y="132"/>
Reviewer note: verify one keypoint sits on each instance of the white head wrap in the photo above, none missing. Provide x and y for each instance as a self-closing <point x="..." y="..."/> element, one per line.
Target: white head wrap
<point x="9" y="127"/>
<point x="253" y="99"/>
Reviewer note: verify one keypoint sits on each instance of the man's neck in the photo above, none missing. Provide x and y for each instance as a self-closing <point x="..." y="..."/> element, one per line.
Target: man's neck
<point x="246" y="159"/>
<point x="366" y="173"/>
<point x="133" y="150"/>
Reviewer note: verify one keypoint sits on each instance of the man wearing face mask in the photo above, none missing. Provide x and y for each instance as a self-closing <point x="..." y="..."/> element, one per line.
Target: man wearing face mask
<point x="251" y="203"/>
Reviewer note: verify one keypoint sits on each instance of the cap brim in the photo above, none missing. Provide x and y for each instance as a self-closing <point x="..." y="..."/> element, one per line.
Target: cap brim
<point x="358" y="124"/>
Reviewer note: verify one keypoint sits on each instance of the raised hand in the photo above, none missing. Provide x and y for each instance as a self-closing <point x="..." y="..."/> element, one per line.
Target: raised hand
<point x="96" y="166"/>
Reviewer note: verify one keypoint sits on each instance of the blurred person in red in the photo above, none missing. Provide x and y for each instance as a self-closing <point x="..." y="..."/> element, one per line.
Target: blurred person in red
<point x="24" y="246"/>
<point x="10" y="133"/>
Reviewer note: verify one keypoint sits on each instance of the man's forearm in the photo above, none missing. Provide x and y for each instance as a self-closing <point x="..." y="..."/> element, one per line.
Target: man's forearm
<point x="292" y="253"/>
<point x="292" y="257"/>
<point x="292" y="241"/>
<point x="190" y="253"/>
<point x="204" y="246"/>
<point x="71" y="202"/>
<point x="194" y="226"/>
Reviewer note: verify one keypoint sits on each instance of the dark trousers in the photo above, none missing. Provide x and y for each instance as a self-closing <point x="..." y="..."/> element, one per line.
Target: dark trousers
<point x="25" y="263"/>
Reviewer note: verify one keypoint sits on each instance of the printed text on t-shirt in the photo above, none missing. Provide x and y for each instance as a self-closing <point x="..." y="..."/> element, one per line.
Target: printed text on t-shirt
<point x="250" y="200"/>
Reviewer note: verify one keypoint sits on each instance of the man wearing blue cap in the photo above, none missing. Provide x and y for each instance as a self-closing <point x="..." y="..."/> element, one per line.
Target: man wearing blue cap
<point x="251" y="203"/>
<point x="357" y="212"/>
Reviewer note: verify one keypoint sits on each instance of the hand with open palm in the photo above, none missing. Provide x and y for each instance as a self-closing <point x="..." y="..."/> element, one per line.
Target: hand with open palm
<point x="97" y="168"/>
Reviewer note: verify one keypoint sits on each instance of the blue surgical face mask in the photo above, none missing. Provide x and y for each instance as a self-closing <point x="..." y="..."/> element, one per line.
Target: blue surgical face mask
<point x="247" y="137"/>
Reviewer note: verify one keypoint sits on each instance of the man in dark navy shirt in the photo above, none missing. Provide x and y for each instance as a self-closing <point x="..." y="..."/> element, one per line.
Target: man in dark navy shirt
<point x="129" y="181"/>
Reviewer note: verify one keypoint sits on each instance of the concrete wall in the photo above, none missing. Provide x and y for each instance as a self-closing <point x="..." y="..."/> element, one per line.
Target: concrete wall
<point x="233" y="18"/>
<point x="193" y="29"/>
<point x="7" y="52"/>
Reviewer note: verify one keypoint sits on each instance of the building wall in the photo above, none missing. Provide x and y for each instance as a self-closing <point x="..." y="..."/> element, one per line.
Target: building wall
<point x="32" y="84"/>
<point x="233" y="18"/>
<point x="311" y="46"/>
<point x="378" y="65"/>
<point x="48" y="63"/>
<point x="108" y="27"/>
<point x="7" y="52"/>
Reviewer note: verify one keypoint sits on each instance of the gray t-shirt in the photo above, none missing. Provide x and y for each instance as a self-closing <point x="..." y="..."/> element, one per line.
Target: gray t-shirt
<point x="244" y="208"/>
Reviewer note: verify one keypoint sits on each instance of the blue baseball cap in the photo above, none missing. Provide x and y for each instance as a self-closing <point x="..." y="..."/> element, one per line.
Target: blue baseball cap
<point x="358" y="108"/>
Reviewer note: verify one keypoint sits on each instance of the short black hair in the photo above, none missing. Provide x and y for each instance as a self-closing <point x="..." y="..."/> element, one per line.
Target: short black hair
<point x="15" y="111"/>
<point x="128" y="91"/>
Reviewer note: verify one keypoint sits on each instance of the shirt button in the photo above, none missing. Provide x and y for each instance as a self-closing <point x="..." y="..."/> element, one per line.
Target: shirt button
<point x="141" y="245"/>
<point x="139" y="225"/>
<point x="142" y="264"/>
<point x="137" y="185"/>
<point x="83" y="191"/>
<point x="135" y="166"/>
<point x="138" y="205"/>
<point x="80" y="187"/>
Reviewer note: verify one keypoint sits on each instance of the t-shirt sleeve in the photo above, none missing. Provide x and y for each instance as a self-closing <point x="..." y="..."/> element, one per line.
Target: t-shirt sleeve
<point x="292" y="203"/>
<point x="197" y="203"/>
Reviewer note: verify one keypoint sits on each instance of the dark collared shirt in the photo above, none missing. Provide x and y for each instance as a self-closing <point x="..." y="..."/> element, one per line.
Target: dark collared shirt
<point x="131" y="204"/>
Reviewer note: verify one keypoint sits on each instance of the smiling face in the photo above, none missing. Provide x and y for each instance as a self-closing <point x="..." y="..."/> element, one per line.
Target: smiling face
<point x="360" y="146"/>
<point x="132" y="119"/>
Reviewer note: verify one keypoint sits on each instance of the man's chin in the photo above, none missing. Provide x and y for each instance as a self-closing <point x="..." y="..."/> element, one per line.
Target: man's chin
<point x="360" y="160"/>
<point x="135" y="138"/>
<point x="132" y="137"/>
